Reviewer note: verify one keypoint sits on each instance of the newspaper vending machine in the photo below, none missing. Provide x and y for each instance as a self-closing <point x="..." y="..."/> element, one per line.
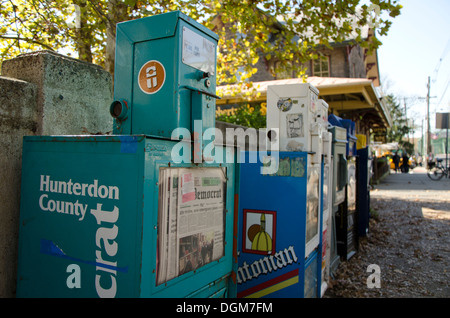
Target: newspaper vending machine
<point x="340" y="175"/>
<point x="279" y="224"/>
<point x="143" y="212"/>
<point x="327" y="197"/>
<point x="347" y="215"/>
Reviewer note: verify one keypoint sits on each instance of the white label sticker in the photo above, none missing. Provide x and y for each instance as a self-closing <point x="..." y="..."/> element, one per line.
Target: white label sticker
<point x="198" y="52"/>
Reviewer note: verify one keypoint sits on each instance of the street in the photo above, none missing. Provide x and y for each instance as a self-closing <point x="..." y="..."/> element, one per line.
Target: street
<point x="413" y="185"/>
<point x="408" y="241"/>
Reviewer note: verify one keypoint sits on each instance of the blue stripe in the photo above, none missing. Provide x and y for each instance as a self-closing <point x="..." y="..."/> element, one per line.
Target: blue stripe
<point x="50" y="248"/>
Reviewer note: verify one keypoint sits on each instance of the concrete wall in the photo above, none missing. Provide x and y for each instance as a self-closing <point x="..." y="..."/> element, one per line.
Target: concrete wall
<point x="18" y="110"/>
<point x="42" y="93"/>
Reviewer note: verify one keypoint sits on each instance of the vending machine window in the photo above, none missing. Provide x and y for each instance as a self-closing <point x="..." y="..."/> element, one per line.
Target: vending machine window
<point x="341" y="178"/>
<point x="311" y="278"/>
<point x="347" y="237"/>
<point x="340" y="174"/>
<point x="363" y="165"/>
<point x="312" y="210"/>
<point x="191" y="220"/>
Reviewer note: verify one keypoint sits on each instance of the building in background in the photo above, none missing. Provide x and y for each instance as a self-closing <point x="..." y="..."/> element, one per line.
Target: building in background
<point x="347" y="76"/>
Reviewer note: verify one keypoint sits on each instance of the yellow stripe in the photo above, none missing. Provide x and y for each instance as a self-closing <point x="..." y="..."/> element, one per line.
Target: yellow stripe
<point x="274" y="288"/>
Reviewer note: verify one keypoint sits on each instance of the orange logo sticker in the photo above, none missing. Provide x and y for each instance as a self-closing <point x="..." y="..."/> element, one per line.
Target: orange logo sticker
<point x="151" y="77"/>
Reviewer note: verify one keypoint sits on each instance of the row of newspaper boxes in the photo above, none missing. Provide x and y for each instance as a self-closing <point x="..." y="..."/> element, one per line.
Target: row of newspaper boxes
<point x="158" y="210"/>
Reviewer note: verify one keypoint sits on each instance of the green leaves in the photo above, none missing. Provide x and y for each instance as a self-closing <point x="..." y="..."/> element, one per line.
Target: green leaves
<point x="278" y="35"/>
<point x="245" y="115"/>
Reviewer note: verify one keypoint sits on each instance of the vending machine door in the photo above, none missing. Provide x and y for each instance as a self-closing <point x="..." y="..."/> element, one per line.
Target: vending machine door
<point x="340" y="176"/>
<point x="352" y="212"/>
<point x="363" y="165"/>
<point x="312" y="279"/>
<point x="327" y="184"/>
<point x="346" y="218"/>
<point x="80" y="220"/>
<point x="188" y="249"/>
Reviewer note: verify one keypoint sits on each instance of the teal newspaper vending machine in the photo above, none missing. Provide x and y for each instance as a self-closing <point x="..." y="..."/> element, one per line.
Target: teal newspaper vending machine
<point x="146" y="212"/>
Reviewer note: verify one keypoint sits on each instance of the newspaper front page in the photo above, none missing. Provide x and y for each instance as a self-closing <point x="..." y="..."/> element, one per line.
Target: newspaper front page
<point x="191" y="219"/>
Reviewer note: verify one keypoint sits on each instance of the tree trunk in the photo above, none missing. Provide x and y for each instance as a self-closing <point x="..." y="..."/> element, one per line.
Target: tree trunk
<point x="83" y="36"/>
<point x="117" y="12"/>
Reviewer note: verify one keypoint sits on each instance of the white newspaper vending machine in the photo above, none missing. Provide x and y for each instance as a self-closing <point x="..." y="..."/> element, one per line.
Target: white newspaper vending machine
<point x="296" y="116"/>
<point x="327" y="197"/>
<point x="295" y="110"/>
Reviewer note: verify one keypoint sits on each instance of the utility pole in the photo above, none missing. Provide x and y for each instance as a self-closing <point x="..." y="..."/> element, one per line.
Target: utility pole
<point x="406" y="117"/>
<point x="428" y="119"/>
<point x="422" y="149"/>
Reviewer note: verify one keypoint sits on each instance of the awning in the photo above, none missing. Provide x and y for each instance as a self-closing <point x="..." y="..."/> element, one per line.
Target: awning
<point x="353" y="98"/>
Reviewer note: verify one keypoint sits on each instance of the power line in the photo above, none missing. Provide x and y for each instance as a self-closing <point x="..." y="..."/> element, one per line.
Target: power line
<point x="436" y="71"/>
<point x="438" y="66"/>
<point x="445" y="90"/>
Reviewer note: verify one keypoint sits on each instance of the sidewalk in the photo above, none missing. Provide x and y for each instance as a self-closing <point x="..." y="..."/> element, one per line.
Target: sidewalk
<point x="408" y="239"/>
<point x="413" y="185"/>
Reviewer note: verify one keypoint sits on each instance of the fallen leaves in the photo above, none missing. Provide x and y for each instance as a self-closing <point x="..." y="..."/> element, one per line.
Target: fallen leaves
<point x="410" y="245"/>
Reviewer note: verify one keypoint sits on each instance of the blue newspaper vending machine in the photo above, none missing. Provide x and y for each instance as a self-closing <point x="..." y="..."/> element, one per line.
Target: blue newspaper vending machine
<point x="347" y="214"/>
<point x="279" y="229"/>
<point x="144" y="212"/>
<point x="364" y="164"/>
<point x="280" y="216"/>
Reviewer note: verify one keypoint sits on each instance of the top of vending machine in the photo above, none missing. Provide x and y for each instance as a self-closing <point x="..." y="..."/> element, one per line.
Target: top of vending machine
<point x="165" y="75"/>
<point x="292" y="109"/>
<point x="350" y="129"/>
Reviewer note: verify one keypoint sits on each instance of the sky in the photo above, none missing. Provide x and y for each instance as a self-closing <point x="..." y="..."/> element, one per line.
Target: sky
<point x="417" y="47"/>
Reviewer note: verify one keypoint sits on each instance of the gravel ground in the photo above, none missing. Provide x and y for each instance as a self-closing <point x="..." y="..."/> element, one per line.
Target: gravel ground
<point x="408" y="239"/>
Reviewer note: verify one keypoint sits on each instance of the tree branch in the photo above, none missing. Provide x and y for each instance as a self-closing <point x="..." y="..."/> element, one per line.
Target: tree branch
<point x="100" y="13"/>
<point x="18" y="38"/>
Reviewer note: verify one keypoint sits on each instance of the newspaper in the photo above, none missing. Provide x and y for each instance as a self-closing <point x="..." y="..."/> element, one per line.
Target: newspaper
<point x="190" y="219"/>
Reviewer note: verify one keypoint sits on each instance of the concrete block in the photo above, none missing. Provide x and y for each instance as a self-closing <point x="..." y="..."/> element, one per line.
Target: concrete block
<point x="73" y="96"/>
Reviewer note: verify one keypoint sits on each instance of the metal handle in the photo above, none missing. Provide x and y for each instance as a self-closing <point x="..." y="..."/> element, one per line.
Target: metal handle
<point x="200" y="91"/>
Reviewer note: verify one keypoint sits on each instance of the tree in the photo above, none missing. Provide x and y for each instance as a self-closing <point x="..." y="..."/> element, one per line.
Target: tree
<point x="286" y="31"/>
<point x="400" y="128"/>
<point x="246" y="115"/>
